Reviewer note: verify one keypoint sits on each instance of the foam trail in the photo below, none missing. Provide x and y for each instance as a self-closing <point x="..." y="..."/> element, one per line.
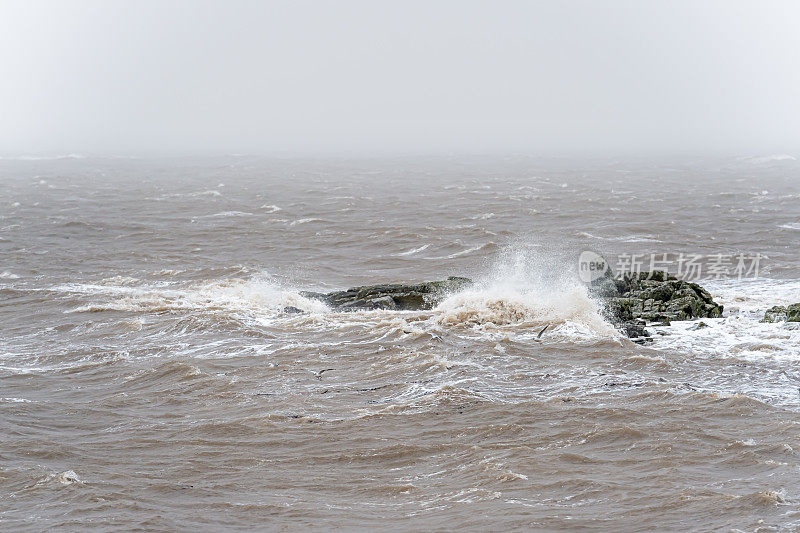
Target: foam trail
<point x="255" y="296"/>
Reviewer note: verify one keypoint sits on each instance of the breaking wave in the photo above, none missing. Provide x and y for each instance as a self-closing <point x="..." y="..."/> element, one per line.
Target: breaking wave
<point x="526" y="291"/>
<point x="256" y="296"/>
<point x="520" y="294"/>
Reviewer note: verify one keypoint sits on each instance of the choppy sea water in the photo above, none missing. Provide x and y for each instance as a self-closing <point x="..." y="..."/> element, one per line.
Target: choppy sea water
<point x="150" y="379"/>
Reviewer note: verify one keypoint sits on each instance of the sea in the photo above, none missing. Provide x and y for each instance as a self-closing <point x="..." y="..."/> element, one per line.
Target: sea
<point x="151" y="378"/>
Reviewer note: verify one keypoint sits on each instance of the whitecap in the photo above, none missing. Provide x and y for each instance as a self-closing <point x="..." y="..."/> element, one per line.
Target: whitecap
<point x="304" y="221"/>
<point x="246" y="298"/>
<point x="226" y="214"/>
<point x="68" y="478"/>
<point x="414" y="250"/>
<point x="791" y="225"/>
<point x="207" y="193"/>
<point x="522" y="295"/>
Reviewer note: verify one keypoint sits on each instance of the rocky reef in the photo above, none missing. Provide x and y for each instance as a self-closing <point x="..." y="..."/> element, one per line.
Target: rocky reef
<point x="780" y="313"/>
<point x="630" y="302"/>
<point x="394" y="296"/>
<point x="636" y="300"/>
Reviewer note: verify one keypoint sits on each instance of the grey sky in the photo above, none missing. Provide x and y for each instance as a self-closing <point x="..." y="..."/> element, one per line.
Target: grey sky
<point x="404" y="76"/>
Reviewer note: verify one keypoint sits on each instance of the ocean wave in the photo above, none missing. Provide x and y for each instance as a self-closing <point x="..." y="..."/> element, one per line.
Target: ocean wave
<point x="485" y="247"/>
<point x="623" y="238"/>
<point x="256" y="296"/>
<point x="68" y="477"/>
<point x="753" y="296"/>
<point x="569" y="312"/>
<point x="226" y="214"/>
<point x="210" y="192"/>
<point x="521" y="294"/>
<point x="414" y="250"/>
<point x="791" y="225"/>
<point x="304" y="221"/>
<point x="526" y="292"/>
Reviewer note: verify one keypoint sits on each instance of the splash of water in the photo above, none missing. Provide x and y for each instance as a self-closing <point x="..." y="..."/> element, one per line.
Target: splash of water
<point x="528" y="289"/>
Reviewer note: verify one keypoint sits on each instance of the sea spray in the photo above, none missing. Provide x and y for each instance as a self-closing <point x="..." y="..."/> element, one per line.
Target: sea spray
<point x="527" y="289"/>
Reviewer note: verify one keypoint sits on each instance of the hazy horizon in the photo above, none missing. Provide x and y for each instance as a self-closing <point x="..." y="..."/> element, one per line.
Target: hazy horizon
<point x="362" y="78"/>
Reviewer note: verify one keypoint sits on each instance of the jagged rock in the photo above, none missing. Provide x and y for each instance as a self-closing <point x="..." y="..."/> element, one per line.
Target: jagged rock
<point x="630" y="302"/>
<point x="780" y="313"/>
<point x="292" y="310"/>
<point x="395" y="296"/>
<point x="652" y="297"/>
<point x="634" y="329"/>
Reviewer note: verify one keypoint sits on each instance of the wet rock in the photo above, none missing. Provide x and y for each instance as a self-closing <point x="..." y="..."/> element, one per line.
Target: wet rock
<point x="652" y="297"/>
<point x="394" y="296"/>
<point x="630" y="302"/>
<point x="699" y="325"/>
<point x="634" y="329"/>
<point x="780" y="313"/>
<point x="291" y="310"/>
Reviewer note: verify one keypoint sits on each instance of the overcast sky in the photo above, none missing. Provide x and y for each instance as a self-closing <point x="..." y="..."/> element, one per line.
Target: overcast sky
<point x="368" y="77"/>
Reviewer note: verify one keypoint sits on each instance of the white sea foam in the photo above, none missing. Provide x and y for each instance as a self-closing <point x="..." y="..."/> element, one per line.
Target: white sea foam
<point x="304" y="221"/>
<point x="740" y="333"/>
<point x="270" y="208"/>
<point x="525" y="293"/>
<point x="256" y="296"/>
<point x="8" y="275"/>
<point x="226" y="214"/>
<point x="467" y="251"/>
<point x="414" y="250"/>
<point x="753" y="295"/>
<point x="68" y="478"/>
<point x="211" y="192"/>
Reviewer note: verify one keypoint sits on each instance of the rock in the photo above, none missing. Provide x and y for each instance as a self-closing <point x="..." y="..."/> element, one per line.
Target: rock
<point x="290" y="309"/>
<point x="779" y="313"/>
<point x="775" y="314"/>
<point x="652" y="297"/>
<point x="699" y="325"/>
<point x="630" y="302"/>
<point x="655" y="297"/>
<point x="633" y="329"/>
<point x="395" y="296"/>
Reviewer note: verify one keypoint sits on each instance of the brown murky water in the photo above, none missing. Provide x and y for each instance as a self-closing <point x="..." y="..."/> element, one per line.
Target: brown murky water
<point x="149" y="378"/>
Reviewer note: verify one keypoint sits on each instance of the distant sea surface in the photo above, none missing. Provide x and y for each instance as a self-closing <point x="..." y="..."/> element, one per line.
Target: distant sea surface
<point x="151" y="379"/>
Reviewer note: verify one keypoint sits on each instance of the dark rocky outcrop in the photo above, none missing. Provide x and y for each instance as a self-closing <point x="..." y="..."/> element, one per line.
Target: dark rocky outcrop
<point x="631" y="302"/>
<point x="656" y="298"/>
<point x="394" y="296"/>
<point x="780" y="313"/>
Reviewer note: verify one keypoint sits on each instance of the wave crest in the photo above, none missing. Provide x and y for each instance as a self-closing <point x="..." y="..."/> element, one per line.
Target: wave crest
<point x="526" y="294"/>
